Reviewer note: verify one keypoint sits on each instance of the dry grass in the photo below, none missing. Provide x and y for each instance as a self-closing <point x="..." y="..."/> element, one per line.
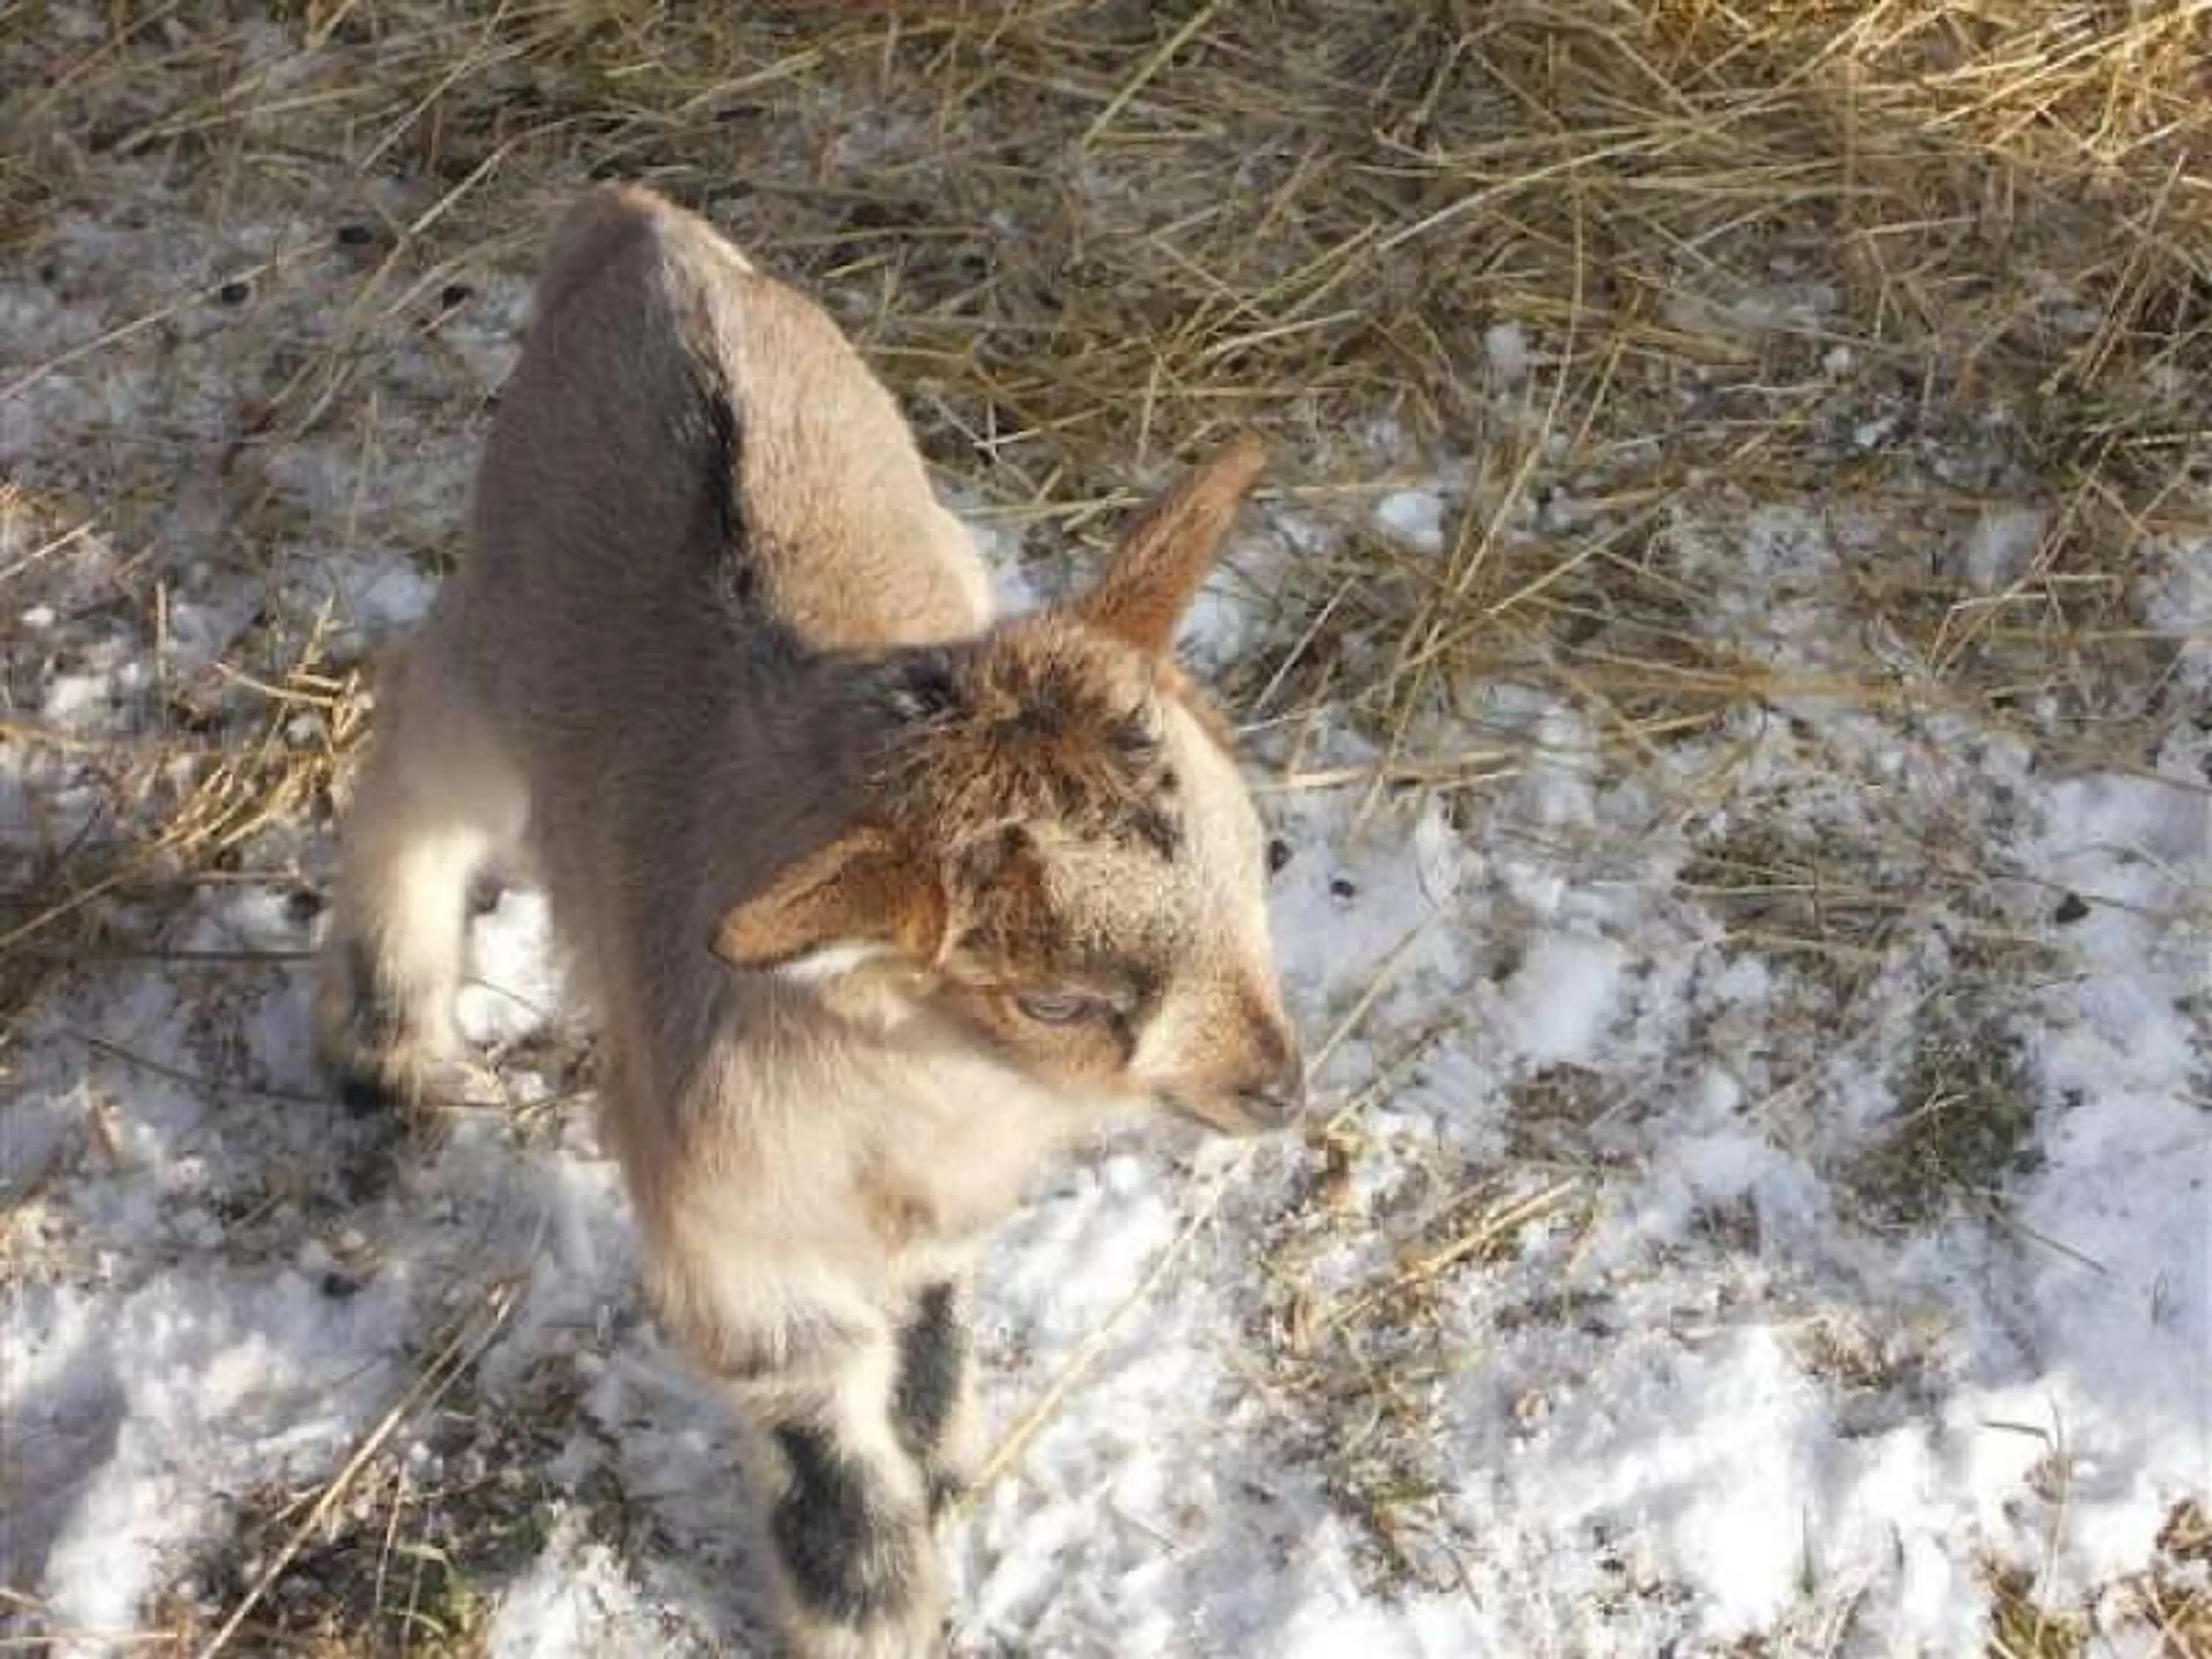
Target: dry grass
<point x="2021" y="1628"/>
<point x="1732" y="238"/>
<point x="1965" y="1118"/>
<point x="2169" y="1602"/>
<point x="1361" y="1372"/>
<point x="2001" y="214"/>
<point x="389" y="1557"/>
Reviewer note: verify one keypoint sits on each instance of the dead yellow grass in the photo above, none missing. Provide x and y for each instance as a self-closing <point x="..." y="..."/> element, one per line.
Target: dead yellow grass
<point x="1081" y="238"/>
<point x="2168" y="1604"/>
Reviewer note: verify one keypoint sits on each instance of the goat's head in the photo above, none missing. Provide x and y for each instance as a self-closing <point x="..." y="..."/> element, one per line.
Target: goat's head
<point x="1057" y="852"/>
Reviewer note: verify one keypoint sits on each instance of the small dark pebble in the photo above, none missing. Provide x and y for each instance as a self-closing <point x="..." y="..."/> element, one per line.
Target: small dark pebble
<point x="455" y="294"/>
<point x="234" y="294"/>
<point x="1279" y="854"/>
<point x="340" y="1287"/>
<point x="302" y="905"/>
<point x="2071" y="910"/>
<point x="1341" y="887"/>
<point x="50" y="273"/>
<point x="355" y="236"/>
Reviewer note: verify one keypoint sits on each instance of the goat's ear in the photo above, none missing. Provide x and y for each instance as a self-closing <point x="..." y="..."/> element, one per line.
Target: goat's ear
<point x="863" y="890"/>
<point x="1161" y="558"/>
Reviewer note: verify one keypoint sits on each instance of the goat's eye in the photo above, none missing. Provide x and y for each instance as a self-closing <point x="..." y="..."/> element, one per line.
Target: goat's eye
<point x="1058" y="1007"/>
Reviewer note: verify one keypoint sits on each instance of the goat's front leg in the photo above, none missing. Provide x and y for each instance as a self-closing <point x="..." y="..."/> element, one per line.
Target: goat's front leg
<point x="933" y="1402"/>
<point x="848" y="1505"/>
<point x="437" y="799"/>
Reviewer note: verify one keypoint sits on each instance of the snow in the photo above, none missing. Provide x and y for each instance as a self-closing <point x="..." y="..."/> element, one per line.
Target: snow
<point x="518" y="985"/>
<point x="2002" y="546"/>
<point x="1698" y="1397"/>
<point x="571" y="1600"/>
<point x="1506" y="346"/>
<point x="1414" y="519"/>
<point x="1561" y="996"/>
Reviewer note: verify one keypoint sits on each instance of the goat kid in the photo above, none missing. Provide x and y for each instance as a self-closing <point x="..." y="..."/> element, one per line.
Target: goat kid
<point x="874" y="899"/>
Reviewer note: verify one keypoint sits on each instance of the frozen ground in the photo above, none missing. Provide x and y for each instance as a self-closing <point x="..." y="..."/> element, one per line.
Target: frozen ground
<point x="1760" y="1201"/>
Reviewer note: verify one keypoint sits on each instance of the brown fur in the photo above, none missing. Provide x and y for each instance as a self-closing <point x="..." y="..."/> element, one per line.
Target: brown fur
<point x="720" y="668"/>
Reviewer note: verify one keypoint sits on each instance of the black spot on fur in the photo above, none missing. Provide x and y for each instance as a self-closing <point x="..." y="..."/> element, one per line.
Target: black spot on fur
<point x="1154" y="824"/>
<point x="375" y="1021"/>
<point x="1047" y="706"/>
<point x="931" y="1351"/>
<point x="846" y="1560"/>
<point x="363" y="1092"/>
<point x="985" y="862"/>
<point x="1124" y="1029"/>
<point x="735" y="582"/>
<point x="922" y="686"/>
<point x="722" y="464"/>
<point x="1133" y="739"/>
<point x="1149" y="813"/>
<point x="375" y="1028"/>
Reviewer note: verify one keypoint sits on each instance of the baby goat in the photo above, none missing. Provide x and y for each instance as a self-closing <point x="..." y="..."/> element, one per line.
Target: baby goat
<point x="875" y="899"/>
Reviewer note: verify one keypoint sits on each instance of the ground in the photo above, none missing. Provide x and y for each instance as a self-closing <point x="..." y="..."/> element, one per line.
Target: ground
<point x="1725" y="647"/>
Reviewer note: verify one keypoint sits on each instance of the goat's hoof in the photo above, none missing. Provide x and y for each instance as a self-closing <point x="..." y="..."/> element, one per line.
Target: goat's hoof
<point x="365" y="1089"/>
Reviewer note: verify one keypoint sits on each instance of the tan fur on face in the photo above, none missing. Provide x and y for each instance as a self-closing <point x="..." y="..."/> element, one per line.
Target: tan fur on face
<point x="1054" y="816"/>
<point x="1044" y="723"/>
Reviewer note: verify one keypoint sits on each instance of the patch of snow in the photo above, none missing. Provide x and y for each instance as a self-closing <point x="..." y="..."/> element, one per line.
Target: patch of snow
<point x="379" y="595"/>
<point x="1506" y="347"/>
<point x="1562" y="996"/>
<point x="2001" y="545"/>
<point x="1220" y="626"/>
<point x="517" y="984"/>
<point x="572" y="1599"/>
<point x="1414" y="519"/>
<point x="2178" y="602"/>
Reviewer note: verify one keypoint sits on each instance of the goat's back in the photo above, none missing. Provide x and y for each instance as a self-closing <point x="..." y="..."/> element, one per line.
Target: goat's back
<point x="686" y="449"/>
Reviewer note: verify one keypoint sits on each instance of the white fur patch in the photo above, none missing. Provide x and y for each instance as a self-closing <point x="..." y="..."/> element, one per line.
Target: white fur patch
<point x="832" y="962"/>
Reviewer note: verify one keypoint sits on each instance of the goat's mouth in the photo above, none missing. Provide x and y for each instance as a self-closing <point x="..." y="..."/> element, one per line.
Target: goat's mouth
<point x="1228" y="1115"/>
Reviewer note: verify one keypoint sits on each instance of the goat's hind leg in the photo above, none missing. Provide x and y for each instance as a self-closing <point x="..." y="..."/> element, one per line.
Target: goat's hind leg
<point x="437" y="799"/>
